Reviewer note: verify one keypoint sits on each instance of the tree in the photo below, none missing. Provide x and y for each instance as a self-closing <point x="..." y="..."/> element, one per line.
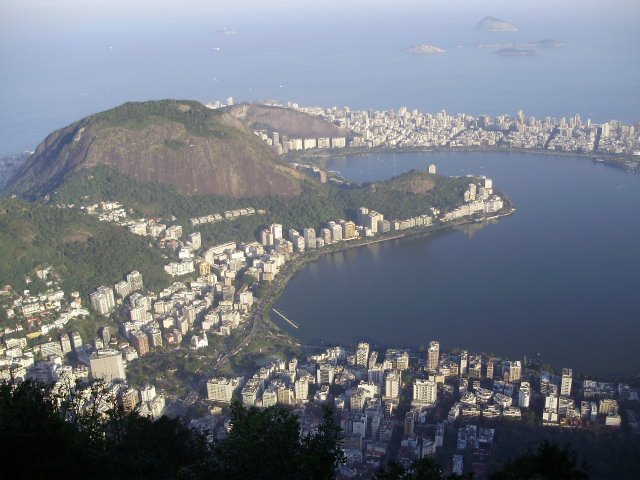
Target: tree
<point x="550" y="462"/>
<point x="266" y="444"/>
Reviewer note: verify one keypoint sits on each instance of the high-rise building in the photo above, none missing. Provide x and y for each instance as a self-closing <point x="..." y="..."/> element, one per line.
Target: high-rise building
<point x="326" y="235"/>
<point x="65" y="343"/>
<point x="490" y="366"/>
<point x="122" y="289"/>
<point x="425" y="391"/>
<point x="524" y="395"/>
<point x="301" y="388"/>
<point x="409" y="421"/>
<point x="134" y="279"/>
<point x="195" y="239"/>
<point x="276" y="231"/>
<point x="105" y="334"/>
<point x="392" y="383"/>
<point x="348" y="230"/>
<point x="310" y="238"/>
<point x="433" y="356"/>
<point x="221" y="389"/>
<point x="107" y="365"/>
<point x="362" y="354"/>
<point x="140" y="342"/>
<point x="371" y="220"/>
<point x="567" y="378"/>
<point x="325" y="374"/>
<point x="515" y="370"/>
<point x="76" y="340"/>
<point x="102" y="300"/>
<point x="464" y="362"/>
<point x="375" y="374"/>
<point x="336" y="232"/>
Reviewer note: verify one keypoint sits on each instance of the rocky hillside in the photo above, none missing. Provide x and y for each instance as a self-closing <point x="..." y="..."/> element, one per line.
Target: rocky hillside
<point x="285" y="121"/>
<point x="178" y="143"/>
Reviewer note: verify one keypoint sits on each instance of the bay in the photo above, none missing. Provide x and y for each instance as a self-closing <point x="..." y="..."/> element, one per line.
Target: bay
<point x="558" y="280"/>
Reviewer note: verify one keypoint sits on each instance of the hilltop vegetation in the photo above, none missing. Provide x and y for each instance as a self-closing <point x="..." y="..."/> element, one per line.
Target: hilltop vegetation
<point x="85" y="252"/>
<point x="407" y="195"/>
<point x="170" y="142"/>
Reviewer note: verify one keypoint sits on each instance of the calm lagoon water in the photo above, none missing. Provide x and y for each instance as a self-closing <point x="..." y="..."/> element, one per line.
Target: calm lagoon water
<point x="558" y="279"/>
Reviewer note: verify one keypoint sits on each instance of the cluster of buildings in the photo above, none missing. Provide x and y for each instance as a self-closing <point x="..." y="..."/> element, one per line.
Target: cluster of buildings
<point x="34" y="316"/>
<point x="477" y="200"/>
<point x="228" y="215"/>
<point x="413" y="129"/>
<point x="71" y="368"/>
<point x="419" y="399"/>
<point x="283" y="144"/>
<point x="205" y="306"/>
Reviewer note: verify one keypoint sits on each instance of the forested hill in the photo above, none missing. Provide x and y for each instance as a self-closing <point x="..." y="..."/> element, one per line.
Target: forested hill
<point x="84" y="252"/>
<point x="168" y="142"/>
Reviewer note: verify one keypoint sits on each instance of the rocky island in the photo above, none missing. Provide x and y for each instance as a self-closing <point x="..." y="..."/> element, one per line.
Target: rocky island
<point x="492" y="24"/>
<point x="423" y="49"/>
<point x="516" y="52"/>
<point x="547" y="43"/>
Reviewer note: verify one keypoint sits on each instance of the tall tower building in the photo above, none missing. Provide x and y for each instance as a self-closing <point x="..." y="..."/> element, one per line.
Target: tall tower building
<point x="565" y="385"/>
<point x="490" y="367"/>
<point x="362" y="354"/>
<point x="392" y="384"/>
<point x="309" y="238"/>
<point x="276" y="231"/>
<point x="433" y="356"/>
<point x="464" y="362"/>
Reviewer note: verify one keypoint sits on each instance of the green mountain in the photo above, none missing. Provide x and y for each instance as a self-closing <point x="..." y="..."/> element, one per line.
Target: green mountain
<point x="169" y="142"/>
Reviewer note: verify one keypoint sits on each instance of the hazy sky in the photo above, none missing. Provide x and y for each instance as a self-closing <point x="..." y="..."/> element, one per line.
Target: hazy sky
<point x="63" y="59"/>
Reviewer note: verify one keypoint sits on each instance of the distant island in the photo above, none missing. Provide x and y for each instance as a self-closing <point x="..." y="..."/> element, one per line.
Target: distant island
<point x="516" y="52"/>
<point x="423" y="49"/>
<point x="547" y="43"/>
<point x="492" y="24"/>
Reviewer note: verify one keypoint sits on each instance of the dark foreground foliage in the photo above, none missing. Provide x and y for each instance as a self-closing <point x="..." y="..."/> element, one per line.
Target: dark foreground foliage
<point x="43" y="435"/>
<point x="37" y="442"/>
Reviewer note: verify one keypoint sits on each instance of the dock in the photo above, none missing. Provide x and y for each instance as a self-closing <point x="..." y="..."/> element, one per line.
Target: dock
<point x="290" y="322"/>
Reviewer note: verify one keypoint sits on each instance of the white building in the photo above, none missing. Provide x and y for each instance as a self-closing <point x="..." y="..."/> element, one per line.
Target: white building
<point x="392" y="382"/>
<point x="565" y="385"/>
<point x="221" y="389"/>
<point x="107" y="365"/>
<point x="425" y="391"/>
<point x="102" y="300"/>
<point x="433" y="355"/>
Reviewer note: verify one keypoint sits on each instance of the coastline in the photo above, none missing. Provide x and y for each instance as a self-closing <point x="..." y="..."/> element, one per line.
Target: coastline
<point x="624" y="162"/>
<point x="417" y="232"/>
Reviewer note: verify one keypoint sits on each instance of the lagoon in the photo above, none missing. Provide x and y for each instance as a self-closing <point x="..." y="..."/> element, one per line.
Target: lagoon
<point x="557" y="281"/>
